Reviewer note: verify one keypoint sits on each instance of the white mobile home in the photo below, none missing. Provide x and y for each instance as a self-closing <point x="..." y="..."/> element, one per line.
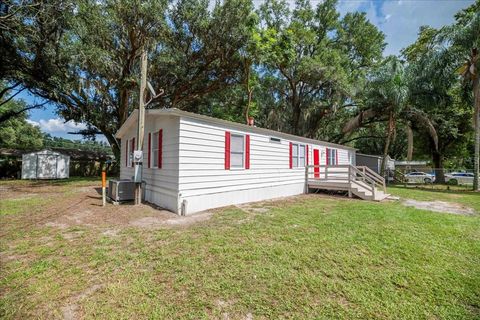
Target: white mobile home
<point x="194" y="162"/>
<point x="45" y="164"/>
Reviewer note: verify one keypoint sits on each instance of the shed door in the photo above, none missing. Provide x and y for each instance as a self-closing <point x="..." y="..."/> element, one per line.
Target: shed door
<point x="46" y="166"/>
<point x="316" y="162"/>
<point x="62" y="167"/>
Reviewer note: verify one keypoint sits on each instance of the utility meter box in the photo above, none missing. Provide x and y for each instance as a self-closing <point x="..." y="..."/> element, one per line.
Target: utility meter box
<point x="138" y="156"/>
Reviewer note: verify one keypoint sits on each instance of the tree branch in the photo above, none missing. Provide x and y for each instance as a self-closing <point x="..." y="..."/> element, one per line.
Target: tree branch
<point x="11" y="97"/>
<point x="11" y="114"/>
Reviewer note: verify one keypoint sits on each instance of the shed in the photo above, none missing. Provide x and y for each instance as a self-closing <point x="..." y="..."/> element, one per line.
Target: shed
<point x="374" y="162"/>
<point x="45" y="164"/>
<point x="193" y="162"/>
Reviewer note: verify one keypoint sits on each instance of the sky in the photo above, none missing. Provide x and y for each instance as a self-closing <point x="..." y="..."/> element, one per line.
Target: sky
<point x="399" y="20"/>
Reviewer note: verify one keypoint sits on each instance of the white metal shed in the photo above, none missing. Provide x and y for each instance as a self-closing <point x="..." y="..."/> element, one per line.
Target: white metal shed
<point x="45" y="164"/>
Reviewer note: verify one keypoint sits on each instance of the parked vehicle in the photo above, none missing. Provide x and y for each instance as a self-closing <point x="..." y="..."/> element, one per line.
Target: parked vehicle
<point x="419" y="177"/>
<point x="459" y="178"/>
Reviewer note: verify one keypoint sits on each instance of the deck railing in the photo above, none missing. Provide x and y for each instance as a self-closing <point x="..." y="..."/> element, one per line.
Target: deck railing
<point x="347" y="174"/>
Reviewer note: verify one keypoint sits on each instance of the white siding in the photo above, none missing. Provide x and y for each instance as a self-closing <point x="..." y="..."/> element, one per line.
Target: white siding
<point x="204" y="183"/>
<point x="161" y="185"/>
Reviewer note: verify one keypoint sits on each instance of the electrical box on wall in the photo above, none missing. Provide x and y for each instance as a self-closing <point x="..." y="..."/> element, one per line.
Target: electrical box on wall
<point x="138" y="156"/>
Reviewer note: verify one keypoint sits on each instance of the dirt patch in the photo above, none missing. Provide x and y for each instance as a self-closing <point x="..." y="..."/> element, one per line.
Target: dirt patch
<point x="110" y="232"/>
<point x="70" y="311"/>
<point x="81" y="206"/>
<point x="440" y="206"/>
<point x="175" y="220"/>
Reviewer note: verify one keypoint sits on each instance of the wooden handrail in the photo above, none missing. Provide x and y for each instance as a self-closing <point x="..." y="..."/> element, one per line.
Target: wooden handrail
<point x="354" y="174"/>
<point x="375" y="176"/>
<point x="366" y="179"/>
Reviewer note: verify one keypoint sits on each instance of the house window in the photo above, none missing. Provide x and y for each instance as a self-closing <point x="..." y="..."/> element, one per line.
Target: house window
<point x="154" y="149"/>
<point x="298" y="155"/>
<point x="274" y="140"/>
<point x="237" y="151"/>
<point x="130" y="149"/>
<point x="332" y="157"/>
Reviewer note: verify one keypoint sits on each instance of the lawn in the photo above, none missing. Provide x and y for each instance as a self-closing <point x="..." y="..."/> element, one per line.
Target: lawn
<point x="310" y="256"/>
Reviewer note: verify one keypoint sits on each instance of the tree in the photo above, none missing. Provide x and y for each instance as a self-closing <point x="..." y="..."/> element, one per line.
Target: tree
<point x="387" y="99"/>
<point x="16" y="132"/>
<point x="83" y="55"/>
<point x="464" y="37"/>
<point x="316" y="58"/>
<point x="434" y="89"/>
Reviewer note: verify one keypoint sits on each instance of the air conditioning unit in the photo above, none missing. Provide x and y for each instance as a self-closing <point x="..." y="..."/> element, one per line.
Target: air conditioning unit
<point x="121" y="190"/>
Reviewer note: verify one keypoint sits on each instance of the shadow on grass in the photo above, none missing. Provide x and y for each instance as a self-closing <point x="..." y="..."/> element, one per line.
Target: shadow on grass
<point x="441" y="188"/>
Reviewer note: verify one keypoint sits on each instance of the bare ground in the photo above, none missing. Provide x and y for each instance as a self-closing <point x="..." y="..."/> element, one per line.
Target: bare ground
<point x="82" y="206"/>
<point x="440" y="206"/>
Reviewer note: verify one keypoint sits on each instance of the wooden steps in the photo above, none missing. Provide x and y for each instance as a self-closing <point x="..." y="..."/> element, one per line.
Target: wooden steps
<point x="357" y="181"/>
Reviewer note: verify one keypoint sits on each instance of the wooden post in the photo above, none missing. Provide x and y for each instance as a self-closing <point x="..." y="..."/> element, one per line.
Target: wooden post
<point x="141" y="122"/>
<point x="104" y="188"/>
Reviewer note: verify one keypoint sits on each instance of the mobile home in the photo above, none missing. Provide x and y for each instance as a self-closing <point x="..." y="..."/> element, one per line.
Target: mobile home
<point x="194" y="162"/>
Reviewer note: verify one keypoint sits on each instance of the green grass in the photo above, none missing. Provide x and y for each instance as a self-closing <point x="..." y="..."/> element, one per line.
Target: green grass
<point x="314" y="257"/>
<point x="18" y="205"/>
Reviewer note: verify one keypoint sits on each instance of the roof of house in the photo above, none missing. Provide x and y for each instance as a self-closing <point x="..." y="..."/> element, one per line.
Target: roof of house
<point x="411" y="163"/>
<point x="373" y="156"/>
<point x="180" y="113"/>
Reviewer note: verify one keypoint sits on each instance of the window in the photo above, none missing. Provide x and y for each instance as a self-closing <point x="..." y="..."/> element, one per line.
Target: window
<point x="237" y="151"/>
<point x="298" y="155"/>
<point x="154" y="150"/>
<point x="274" y="140"/>
<point x="130" y="149"/>
<point x="332" y="157"/>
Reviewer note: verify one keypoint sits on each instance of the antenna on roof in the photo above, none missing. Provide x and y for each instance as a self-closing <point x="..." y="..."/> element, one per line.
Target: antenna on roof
<point x="153" y="94"/>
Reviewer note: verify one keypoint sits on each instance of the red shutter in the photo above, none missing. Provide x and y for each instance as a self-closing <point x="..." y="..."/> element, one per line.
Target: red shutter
<point x="149" y="148"/>
<point x="247" y="151"/>
<point x="290" y="156"/>
<point x="227" y="150"/>
<point x="327" y="158"/>
<point x="306" y="150"/>
<point x="336" y="157"/>
<point x="160" y="148"/>
<point x="126" y="153"/>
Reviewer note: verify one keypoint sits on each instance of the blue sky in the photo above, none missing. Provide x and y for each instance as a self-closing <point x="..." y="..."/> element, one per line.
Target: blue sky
<point x="400" y="20"/>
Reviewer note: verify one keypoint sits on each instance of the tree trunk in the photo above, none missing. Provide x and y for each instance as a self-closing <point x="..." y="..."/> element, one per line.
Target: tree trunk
<point x="115" y="145"/>
<point x="390" y="127"/>
<point x="295" y="110"/>
<point x="249" y="89"/>
<point x="476" y="169"/>
<point x="437" y="160"/>
<point x="409" y="143"/>
<point x="249" y="102"/>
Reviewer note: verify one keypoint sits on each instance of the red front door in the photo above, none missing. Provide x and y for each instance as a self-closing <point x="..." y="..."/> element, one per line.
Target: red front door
<point x="316" y="162"/>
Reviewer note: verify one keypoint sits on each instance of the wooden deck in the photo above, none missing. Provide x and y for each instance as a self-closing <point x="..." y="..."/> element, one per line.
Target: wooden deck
<point x="357" y="181"/>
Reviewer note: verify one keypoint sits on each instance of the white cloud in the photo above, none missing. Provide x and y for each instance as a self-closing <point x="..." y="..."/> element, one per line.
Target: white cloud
<point x="57" y="125"/>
